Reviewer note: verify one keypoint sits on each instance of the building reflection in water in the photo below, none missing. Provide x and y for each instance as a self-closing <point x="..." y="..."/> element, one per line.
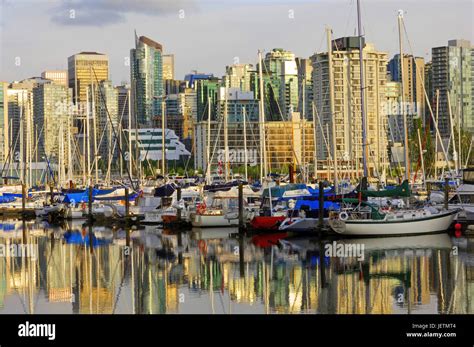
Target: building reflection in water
<point x="215" y="271"/>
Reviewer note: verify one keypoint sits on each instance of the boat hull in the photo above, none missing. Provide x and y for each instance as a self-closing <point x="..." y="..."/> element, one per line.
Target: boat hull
<point x="431" y="224"/>
<point x="212" y="221"/>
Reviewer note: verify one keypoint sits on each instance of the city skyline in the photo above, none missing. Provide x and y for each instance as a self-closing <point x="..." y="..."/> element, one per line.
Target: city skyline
<point x="195" y="49"/>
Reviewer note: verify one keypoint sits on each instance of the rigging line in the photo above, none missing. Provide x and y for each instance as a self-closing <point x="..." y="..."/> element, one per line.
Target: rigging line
<point x="115" y="134"/>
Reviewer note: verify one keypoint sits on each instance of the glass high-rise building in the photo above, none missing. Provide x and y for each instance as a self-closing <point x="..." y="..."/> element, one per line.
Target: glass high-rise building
<point x="146" y="61"/>
<point x="52" y="116"/>
<point x="84" y="69"/>
<point x="452" y="72"/>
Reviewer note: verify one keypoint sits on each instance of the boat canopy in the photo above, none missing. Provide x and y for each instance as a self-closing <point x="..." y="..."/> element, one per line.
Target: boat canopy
<point x="234" y="193"/>
<point x="376" y="214"/>
<point x="165" y="190"/>
<point x="403" y="190"/>
<point x="279" y="191"/>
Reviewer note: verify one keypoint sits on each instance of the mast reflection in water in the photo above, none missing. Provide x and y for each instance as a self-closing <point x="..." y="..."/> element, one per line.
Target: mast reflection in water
<point x="215" y="271"/>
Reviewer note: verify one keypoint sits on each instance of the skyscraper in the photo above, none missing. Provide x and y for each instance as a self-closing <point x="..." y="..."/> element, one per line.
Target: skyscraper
<point x="451" y="73"/>
<point x="413" y="82"/>
<point x="146" y="69"/>
<point x="347" y="117"/>
<point x="238" y="76"/>
<point x="57" y="76"/>
<point x="281" y="65"/>
<point x="207" y="88"/>
<point x="84" y="69"/>
<point x="51" y="114"/>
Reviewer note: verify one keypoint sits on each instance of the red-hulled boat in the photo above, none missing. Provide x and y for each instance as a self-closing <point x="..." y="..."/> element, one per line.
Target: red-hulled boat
<point x="267" y="222"/>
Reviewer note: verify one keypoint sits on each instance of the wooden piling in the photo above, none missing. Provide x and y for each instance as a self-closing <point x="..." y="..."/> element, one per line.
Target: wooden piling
<point x="51" y="194"/>
<point x="292" y="173"/>
<point x="23" y="200"/>
<point x="446" y="192"/>
<point x="90" y="204"/>
<point x="178" y="197"/>
<point x="321" y="207"/>
<point x="127" y="204"/>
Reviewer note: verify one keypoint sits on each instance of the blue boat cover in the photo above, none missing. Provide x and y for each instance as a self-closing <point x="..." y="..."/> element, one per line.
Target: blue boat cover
<point x="5" y="199"/>
<point x="314" y="205"/>
<point x="79" y="197"/>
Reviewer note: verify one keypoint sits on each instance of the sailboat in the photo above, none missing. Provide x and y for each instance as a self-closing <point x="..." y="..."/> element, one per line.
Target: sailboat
<point x="362" y="218"/>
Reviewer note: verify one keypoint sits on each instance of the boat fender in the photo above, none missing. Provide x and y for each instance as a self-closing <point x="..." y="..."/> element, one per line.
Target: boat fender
<point x="343" y="216"/>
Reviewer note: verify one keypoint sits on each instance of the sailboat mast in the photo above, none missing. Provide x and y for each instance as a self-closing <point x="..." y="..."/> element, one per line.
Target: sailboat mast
<point x="94" y="124"/>
<point x="303" y="122"/>
<point x="362" y="91"/>
<point x="404" y="114"/>
<point x="226" y="138"/>
<point x="69" y="149"/>
<point x="263" y="146"/>
<point x="314" y="141"/>
<point x="436" y="139"/>
<point x="130" y="151"/>
<point x="331" y="104"/>
<point x="245" y="143"/>
<point x="163" y="138"/>
<point x="22" y="126"/>
<point x="455" y="154"/>
<point x="208" y="146"/>
<point x="421" y="156"/>
<point x="88" y="145"/>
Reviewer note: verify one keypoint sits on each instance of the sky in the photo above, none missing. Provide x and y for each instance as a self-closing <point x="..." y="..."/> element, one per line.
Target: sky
<point x="208" y="35"/>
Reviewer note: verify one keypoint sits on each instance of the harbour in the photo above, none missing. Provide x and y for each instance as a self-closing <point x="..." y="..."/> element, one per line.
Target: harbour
<point x="236" y="171"/>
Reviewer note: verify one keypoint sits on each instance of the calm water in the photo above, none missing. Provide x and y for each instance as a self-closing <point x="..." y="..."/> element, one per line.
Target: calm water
<point x="214" y="271"/>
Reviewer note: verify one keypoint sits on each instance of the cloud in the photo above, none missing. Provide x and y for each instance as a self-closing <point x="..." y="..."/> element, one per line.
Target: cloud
<point x="106" y="12"/>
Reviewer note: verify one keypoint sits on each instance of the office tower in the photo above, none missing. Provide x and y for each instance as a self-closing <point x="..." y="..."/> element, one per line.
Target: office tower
<point x="57" y="76"/>
<point x="4" y="126"/>
<point x="54" y="121"/>
<point x="168" y="67"/>
<point x="238" y="76"/>
<point x="305" y="87"/>
<point x="347" y="117"/>
<point x="451" y="73"/>
<point x="146" y="69"/>
<point x="84" y="69"/>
